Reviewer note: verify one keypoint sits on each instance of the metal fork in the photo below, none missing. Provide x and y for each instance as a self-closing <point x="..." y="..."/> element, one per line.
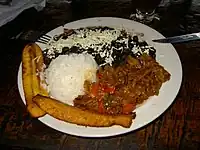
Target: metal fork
<point x="44" y="39"/>
<point x="34" y="36"/>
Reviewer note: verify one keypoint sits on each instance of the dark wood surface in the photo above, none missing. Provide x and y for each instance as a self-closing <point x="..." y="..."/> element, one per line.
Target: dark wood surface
<point x="177" y="128"/>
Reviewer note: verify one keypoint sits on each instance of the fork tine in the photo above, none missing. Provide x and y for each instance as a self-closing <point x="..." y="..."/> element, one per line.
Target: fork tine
<point x="44" y="39"/>
<point x="44" y="42"/>
<point x="46" y="35"/>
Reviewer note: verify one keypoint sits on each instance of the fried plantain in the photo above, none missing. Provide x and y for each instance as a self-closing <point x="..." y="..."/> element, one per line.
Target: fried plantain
<point x="78" y="116"/>
<point x="30" y="81"/>
<point x="35" y="78"/>
<point x="39" y="62"/>
<point x="27" y="74"/>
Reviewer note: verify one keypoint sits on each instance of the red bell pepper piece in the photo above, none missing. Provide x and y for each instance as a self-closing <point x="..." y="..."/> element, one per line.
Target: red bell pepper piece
<point x="128" y="108"/>
<point x="108" y="89"/>
<point x="94" y="89"/>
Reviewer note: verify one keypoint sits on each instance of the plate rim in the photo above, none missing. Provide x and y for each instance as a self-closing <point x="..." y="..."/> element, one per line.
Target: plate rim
<point x="121" y="131"/>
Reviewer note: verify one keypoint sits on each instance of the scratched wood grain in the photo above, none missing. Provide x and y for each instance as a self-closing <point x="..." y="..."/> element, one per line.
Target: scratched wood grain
<point x="177" y="128"/>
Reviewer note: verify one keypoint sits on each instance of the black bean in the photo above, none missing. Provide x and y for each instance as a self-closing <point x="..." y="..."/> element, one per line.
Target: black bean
<point x="135" y="39"/>
<point x="90" y="50"/>
<point x="99" y="59"/>
<point x="124" y="33"/>
<point x="120" y="38"/>
<point x="152" y="54"/>
<point x="65" y="50"/>
<point x="47" y="61"/>
<point x="75" y="49"/>
<point x="130" y="45"/>
<point x="143" y="43"/>
<point x="57" y="54"/>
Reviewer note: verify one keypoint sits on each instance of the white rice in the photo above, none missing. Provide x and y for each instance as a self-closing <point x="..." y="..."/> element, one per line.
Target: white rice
<point x="66" y="75"/>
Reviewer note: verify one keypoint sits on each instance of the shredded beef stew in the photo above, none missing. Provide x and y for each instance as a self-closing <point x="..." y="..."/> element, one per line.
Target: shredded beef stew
<point x="121" y="88"/>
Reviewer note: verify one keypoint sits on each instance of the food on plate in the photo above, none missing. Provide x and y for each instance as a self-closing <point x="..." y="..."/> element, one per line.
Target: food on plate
<point x="78" y="116"/>
<point x="93" y="76"/>
<point x="119" y="90"/>
<point x="107" y="45"/>
<point x="66" y="75"/>
<point x="127" y="73"/>
<point x="30" y="79"/>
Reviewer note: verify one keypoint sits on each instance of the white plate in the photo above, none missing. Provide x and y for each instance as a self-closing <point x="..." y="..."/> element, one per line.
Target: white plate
<point x="166" y="55"/>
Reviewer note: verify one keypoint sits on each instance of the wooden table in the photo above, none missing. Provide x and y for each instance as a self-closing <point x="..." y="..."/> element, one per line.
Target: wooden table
<point x="177" y="128"/>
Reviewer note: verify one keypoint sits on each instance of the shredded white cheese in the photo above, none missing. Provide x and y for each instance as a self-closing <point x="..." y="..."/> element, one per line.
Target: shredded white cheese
<point x="84" y="39"/>
<point x="100" y="41"/>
